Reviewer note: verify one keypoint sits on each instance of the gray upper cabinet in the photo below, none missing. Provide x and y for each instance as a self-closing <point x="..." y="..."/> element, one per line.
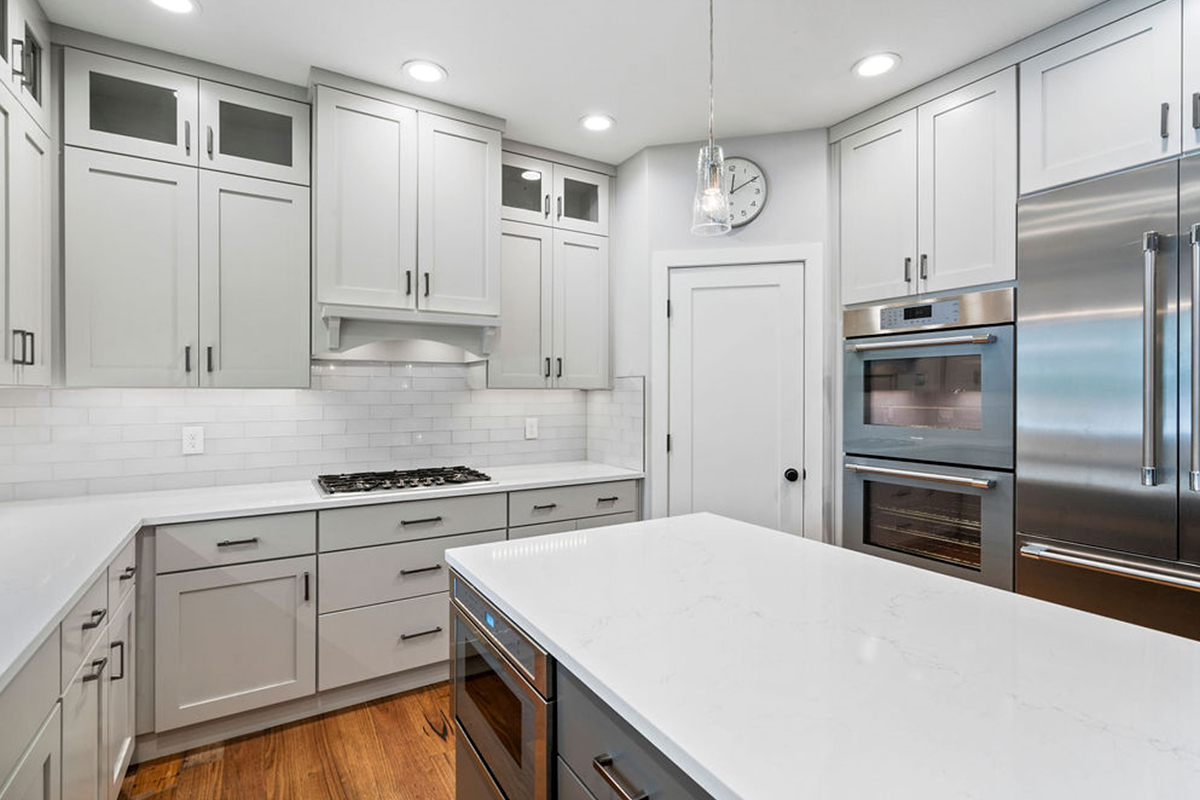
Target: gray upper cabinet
<point x="27" y="72"/>
<point x="250" y="133"/>
<point x="581" y="311"/>
<point x="27" y="211"/>
<point x="542" y="193"/>
<point x="1190" y="104"/>
<point x="581" y="200"/>
<point x="523" y="355"/>
<point x="527" y="189"/>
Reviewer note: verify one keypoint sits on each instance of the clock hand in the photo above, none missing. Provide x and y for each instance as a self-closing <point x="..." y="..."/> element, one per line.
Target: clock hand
<point x="747" y="183"/>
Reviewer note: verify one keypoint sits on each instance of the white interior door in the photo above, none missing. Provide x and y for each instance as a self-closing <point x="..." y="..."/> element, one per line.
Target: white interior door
<point x="737" y="393"/>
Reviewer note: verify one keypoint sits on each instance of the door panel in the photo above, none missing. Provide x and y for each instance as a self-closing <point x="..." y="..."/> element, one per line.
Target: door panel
<point x="1080" y="385"/>
<point x="250" y="133"/>
<point x="736" y="352"/>
<point x="366" y="197"/>
<point x="131" y="260"/>
<point x="1189" y="353"/>
<point x="254" y="278"/>
<point x="459" y="253"/>
<point x="581" y="311"/>
<point x="30" y="219"/>
<point x="519" y="360"/>
<point x="11" y="340"/>
<point x="968" y="185"/>
<point x="879" y="210"/>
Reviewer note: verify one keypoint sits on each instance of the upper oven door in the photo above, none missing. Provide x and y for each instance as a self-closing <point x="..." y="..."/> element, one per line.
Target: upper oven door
<point x="938" y="396"/>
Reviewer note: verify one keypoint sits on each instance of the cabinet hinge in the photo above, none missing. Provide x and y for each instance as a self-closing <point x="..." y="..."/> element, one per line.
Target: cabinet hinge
<point x="668" y="309"/>
<point x="668" y="442"/>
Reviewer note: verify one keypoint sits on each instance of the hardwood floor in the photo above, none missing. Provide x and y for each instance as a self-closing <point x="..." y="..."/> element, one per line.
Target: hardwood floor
<point x="397" y="748"/>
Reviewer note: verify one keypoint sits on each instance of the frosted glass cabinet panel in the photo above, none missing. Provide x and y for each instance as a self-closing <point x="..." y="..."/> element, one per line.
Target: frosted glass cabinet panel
<point x="582" y="200"/>
<point x="527" y="186"/>
<point x="250" y="133"/>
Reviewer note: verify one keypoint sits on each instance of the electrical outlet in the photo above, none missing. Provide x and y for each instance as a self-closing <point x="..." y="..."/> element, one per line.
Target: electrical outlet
<point x="193" y="441"/>
<point x="531" y="425"/>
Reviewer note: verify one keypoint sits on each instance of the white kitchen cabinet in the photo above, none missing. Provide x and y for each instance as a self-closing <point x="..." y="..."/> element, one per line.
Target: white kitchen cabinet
<point x="366" y="201"/>
<point x="29" y="239"/>
<point x="527" y="189"/>
<point x="581" y="311"/>
<point x="131" y="261"/>
<point x="84" y="727"/>
<point x="123" y="107"/>
<point x="1190" y="105"/>
<point x="254" y="282"/>
<point x="581" y="200"/>
<point x="967" y="185"/>
<point x="39" y="774"/>
<point x="1103" y="102"/>
<point x="458" y="252"/>
<point x="879" y="210"/>
<point x="523" y="353"/>
<point x="28" y="69"/>
<point x="120" y="683"/>
<point x="230" y="639"/>
<point x="254" y="134"/>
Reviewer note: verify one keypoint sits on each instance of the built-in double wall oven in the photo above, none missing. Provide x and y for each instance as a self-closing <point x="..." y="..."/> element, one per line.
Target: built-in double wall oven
<point x="928" y="434"/>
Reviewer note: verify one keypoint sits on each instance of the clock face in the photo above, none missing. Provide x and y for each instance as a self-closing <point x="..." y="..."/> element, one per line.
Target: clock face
<point x="747" y="190"/>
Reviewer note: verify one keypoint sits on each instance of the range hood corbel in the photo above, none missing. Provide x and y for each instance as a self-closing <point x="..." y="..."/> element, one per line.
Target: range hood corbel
<point x="340" y="328"/>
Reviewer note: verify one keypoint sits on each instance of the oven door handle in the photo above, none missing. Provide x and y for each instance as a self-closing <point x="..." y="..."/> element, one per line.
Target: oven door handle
<point x="1041" y="552"/>
<point x="934" y="477"/>
<point x="938" y="341"/>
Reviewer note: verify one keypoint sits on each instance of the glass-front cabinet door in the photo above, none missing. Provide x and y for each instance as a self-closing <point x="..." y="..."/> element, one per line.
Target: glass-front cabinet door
<point x="122" y="107"/>
<point x="251" y="133"/>
<point x="527" y="187"/>
<point x="581" y="200"/>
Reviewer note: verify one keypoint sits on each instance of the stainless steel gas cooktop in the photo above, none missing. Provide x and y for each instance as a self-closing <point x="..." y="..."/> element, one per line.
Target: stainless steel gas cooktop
<point x="428" y="478"/>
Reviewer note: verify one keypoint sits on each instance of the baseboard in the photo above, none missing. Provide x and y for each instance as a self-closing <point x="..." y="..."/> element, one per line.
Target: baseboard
<point x="156" y="745"/>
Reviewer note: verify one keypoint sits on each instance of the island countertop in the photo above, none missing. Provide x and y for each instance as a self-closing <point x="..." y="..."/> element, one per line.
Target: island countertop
<point x="767" y="667"/>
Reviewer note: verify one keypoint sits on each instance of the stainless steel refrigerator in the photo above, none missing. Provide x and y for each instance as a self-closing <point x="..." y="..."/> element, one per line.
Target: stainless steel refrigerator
<point x="1108" y="470"/>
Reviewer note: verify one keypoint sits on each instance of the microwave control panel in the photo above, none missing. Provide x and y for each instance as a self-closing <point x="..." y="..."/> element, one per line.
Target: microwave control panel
<point x="941" y="312"/>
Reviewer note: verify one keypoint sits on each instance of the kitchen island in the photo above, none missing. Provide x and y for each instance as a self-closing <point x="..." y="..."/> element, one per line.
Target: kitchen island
<point x="766" y="666"/>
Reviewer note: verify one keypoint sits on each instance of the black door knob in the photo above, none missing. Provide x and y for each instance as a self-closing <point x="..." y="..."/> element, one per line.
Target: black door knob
<point x="791" y="475"/>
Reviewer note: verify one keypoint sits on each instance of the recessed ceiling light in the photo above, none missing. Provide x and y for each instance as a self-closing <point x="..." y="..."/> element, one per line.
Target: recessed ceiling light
<point x="878" y="64"/>
<point x="531" y="175"/>
<point x="597" y="122"/>
<point x="424" y="71"/>
<point x="177" y="6"/>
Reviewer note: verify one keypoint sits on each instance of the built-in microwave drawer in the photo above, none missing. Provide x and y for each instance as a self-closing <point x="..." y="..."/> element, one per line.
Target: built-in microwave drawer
<point x="937" y="396"/>
<point x="953" y="520"/>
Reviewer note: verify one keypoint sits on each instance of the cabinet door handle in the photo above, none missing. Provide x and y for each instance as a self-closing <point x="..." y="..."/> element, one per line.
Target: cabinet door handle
<point x="420" y="570"/>
<point x="97" y="617"/>
<point x="208" y="358"/>
<point x="32" y="348"/>
<point x="427" y="284"/>
<point x="19" y="336"/>
<point x="425" y="521"/>
<point x="237" y="542"/>
<point x="546" y="206"/>
<point x="187" y="358"/>
<point x="924" y="266"/>
<point x="13" y="53"/>
<point x="128" y="574"/>
<point x="908" y="270"/>
<point x="545" y="507"/>
<point x="404" y="637"/>
<point x="1165" y="120"/>
<point x="600" y="500"/>
<point x="114" y="646"/>
<point x="407" y="282"/>
<point x="187" y="137"/>
<point x="97" y="670"/>
<point x="604" y="765"/>
<point x="547" y="366"/>
<point x="1196" y="110"/>
<point x="560" y="207"/>
<point x="306" y="587"/>
<point x="210" y="142"/>
<point x="559" y="373"/>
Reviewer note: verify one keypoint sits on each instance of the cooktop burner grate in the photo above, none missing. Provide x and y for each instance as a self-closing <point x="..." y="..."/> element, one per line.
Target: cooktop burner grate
<point x="399" y="479"/>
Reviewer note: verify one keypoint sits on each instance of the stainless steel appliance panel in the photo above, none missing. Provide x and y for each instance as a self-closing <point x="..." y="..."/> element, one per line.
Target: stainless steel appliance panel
<point x="953" y="520"/>
<point x="969" y="310"/>
<point x="1189" y="360"/>
<point x="1097" y="355"/>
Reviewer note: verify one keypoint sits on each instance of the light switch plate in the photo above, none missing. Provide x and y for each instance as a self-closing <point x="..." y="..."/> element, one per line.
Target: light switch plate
<point x="531" y="427"/>
<point x="193" y="441"/>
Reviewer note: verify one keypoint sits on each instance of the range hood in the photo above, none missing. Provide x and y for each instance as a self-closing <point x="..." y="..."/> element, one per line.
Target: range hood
<point x="358" y="333"/>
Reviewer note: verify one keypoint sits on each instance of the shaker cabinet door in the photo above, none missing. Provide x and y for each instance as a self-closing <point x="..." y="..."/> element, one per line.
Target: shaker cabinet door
<point x="131" y="261"/>
<point x="28" y="70"/>
<point x="120" y="683"/>
<point x="254" y="279"/>
<point x="581" y="311"/>
<point x="84" y="729"/>
<point x="968" y="185"/>
<point x="1103" y="102"/>
<point x="879" y="210"/>
<point x="30" y="217"/>
<point x="39" y="774"/>
<point x="459" y="226"/>
<point x="521" y="358"/>
<point x="366" y="201"/>
<point x="1190" y="105"/>
<point x="251" y="133"/>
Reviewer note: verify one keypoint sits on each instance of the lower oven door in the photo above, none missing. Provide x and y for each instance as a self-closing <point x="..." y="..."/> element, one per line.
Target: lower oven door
<point x="507" y="722"/>
<point x="952" y="520"/>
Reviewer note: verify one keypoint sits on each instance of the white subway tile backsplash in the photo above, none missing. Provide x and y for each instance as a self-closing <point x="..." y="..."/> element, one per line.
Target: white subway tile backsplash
<point x="615" y="424"/>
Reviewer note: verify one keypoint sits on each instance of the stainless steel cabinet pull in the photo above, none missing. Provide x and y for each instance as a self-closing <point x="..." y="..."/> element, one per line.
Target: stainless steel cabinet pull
<point x="1115" y="567"/>
<point x="237" y="542"/>
<point x="306" y="587"/>
<point x="932" y="477"/>
<point x="404" y="637"/>
<point x="19" y="336"/>
<point x="128" y="574"/>
<point x="545" y="507"/>
<point x="1165" y="120"/>
<point x="1150" y="245"/>
<point x="547" y="207"/>
<point x="426" y="521"/>
<point x="13" y="52"/>
<point x="607" y="499"/>
<point x="187" y="358"/>
<point x="32" y="359"/>
<point x="210" y="142"/>
<point x="208" y="358"/>
<point x="187" y="137"/>
<point x="604" y="765"/>
<point x="560" y="207"/>
<point x="97" y="617"/>
<point x="547" y="366"/>
<point x="434" y="568"/>
<point x="924" y="266"/>
<point x="427" y="284"/>
<point x="907" y="270"/>
<point x="407" y="282"/>
<point x="1196" y="110"/>
<point x="559" y="375"/>
<point x="1194" y="472"/>
<point x="939" y="341"/>
<point x="97" y="669"/>
<point x="114" y="646"/>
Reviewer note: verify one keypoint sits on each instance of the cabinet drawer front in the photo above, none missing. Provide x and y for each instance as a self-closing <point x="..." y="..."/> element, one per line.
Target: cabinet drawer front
<point x="369" y="575"/>
<point x="569" y="785"/>
<point x="195" y="545"/>
<point x="571" y="502"/>
<point x="363" y="526"/>
<point x="546" y="528"/>
<point x="607" y="520"/>
<point x="122" y="576"/>
<point x="26" y="700"/>
<point x="370" y="642"/>
<point x="82" y="627"/>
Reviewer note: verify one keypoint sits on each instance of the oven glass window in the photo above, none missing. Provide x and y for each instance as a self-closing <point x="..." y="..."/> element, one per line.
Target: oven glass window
<point x="931" y="523"/>
<point x="931" y="392"/>
<point x="496" y="703"/>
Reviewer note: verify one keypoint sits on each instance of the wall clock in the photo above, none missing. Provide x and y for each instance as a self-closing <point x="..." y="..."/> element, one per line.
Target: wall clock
<point x="747" y="190"/>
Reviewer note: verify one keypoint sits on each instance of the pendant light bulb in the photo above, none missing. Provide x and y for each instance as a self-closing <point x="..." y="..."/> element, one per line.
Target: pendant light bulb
<point x="710" y="210"/>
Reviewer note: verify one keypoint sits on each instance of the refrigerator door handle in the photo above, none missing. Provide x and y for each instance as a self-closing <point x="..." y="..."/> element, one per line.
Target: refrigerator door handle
<point x="1150" y="246"/>
<point x="1194" y="473"/>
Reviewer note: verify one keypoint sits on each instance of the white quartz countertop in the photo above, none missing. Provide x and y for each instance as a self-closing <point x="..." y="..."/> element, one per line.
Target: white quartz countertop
<point x="768" y="667"/>
<point x="51" y="551"/>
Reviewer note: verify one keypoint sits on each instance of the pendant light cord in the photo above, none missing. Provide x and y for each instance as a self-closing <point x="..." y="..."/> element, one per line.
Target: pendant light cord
<point x="711" y="139"/>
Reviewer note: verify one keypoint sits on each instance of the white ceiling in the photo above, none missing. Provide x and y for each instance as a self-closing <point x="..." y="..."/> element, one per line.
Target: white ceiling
<point x="542" y="64"/>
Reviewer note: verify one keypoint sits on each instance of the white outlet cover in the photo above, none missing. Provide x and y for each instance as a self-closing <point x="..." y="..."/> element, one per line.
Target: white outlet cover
<point x="193" y="441"/>
<point x="531" y="427"/>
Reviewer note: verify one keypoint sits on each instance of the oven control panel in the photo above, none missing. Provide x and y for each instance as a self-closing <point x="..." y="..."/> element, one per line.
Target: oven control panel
<point x="940" y="312"/>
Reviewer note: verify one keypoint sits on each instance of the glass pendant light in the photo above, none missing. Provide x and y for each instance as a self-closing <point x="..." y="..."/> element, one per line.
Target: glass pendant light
<point x="710" y="210"/>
